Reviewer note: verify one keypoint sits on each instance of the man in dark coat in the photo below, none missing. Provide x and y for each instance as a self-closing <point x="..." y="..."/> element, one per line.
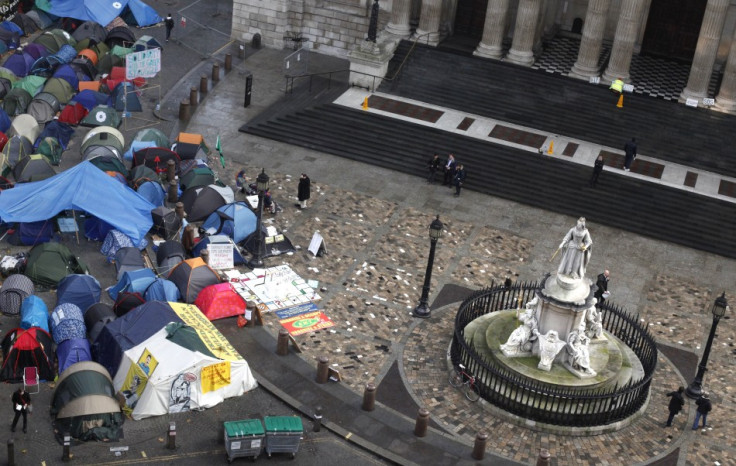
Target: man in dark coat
<point x="434" y="165"/>
<point x="676" y="404"/>
<point x="459" y="179"/>
<point x="704" y="407"/>
<point x="169" y="23"/>
<point x="303" y="191"/>
<point x="602" y="284"/>
<point x="450" y="170"/>
<point x="597" y="169"/>
<point x="21" y="402"/>
<point x="630" y="150"/>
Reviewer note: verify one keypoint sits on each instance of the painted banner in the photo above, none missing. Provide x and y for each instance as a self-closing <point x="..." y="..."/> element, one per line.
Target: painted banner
<point x="296" y="310"/>
<point x="215" y="376"/>
<point x="306" y="323"/>
<point x="211" y="337"/>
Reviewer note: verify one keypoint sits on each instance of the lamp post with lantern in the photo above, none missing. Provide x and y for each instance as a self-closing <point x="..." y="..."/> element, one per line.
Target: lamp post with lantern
<point x="262" y="186"/>
<point x="435" y="233"/>
<point x="695" y="389"/>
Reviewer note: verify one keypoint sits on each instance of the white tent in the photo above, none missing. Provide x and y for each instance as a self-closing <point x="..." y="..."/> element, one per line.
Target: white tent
<point x="159" y="376"/>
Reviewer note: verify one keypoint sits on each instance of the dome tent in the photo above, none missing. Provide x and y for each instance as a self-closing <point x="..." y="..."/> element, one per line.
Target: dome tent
<point x="192" y="276"/>
<point x="34" y="313"/>
<point x="23" y="348"/>
<point x="49" y="263"/>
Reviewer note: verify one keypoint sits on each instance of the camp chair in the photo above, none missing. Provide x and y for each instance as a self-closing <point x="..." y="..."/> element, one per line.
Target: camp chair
<point x="31" y="383"/>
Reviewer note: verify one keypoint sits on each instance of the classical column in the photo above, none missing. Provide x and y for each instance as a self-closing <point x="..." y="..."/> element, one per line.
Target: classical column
<point x="706" y="50"/>
<point x="590" y="45"/>
<point x="491" y="46"/>
<point x="726" y="98"/>
<point x="429" y="22"/>
<point x="398" y="25"/>
<point x="526" y="26"/>
<point x="623" y="42"/>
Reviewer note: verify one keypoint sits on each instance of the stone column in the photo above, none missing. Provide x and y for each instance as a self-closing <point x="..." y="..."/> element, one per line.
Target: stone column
<point x="429" y="22"/>
<point x="398" y="25"/>
<point x="525" y="29"/>
<point x="491" y="46"/>
<point x="590" y="44"/>
<point x="726" y="98"/>
<point x="705" y="52"/>
<point x="623" y="42"/>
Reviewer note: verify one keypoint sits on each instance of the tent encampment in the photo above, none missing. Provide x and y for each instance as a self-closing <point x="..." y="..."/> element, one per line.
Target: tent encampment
<point x="23" y="348"/>
<point x="80" y="290"/>
<point x="220" y="301"/>
<point x="48" y="263"/>
<point x="192" y="276"/>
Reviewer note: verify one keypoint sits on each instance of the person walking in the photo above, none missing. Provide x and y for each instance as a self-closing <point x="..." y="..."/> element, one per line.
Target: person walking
<point x="459" y="179"/>
<point x="169" y="22"/>
<point x="21" y="404"/>
<point x="434" y="165"/>
<point x="630" y="150"/>
<point x="601" y="293"/>
<point x="449" y="170"/>
<point x="597" y="169"/>
<point x="304" y="191"/>
<point x="676" y="404"/>
<point x="704" y="407"/>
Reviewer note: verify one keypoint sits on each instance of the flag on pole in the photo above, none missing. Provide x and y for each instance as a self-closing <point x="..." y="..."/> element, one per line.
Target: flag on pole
<point x="219" y="150"/>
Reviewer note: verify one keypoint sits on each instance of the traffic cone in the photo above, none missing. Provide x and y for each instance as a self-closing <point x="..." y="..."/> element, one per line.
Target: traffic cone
<point x="620" y="103"/>
<point x="551" y="149"/>
<point x="365" y="103"/>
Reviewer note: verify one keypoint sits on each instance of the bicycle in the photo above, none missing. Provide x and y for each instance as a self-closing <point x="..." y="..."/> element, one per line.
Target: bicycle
<point x="459" y="377"/>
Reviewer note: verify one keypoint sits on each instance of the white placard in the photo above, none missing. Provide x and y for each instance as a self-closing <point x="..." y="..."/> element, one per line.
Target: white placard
<point x="709" y="102"/>
<point x="252" y="201"/>
<point x="691" y="102"/>
<point x="144" y="64"/>
<point x="235" y="445"/>
<point x="221" y="256"/>
<point x="315" y="243"/>
<point x="628" y="88"/>
<point x="594" y="80"/>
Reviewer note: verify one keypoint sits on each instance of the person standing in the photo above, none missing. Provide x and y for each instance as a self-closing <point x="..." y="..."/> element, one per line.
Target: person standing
<point x="676" y="404"/>
<point x="434" y="165"/>
<point x="459" y="179"/>
<point x="449" y="170"/>
<point x="169" y="22"/>
<point x="601" y="294"/>
<point x="304" y="190"/>
<point x="630" y="150"/>
<point x="704" y="407"/>
<point x="21" y="402"/>
<point x="597" y="169"/>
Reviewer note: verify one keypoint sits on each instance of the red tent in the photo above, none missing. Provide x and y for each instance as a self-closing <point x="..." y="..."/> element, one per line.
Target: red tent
<point x="73" y="114"/>
<point x="220" y="301"/>
<point x="27" y="348"/>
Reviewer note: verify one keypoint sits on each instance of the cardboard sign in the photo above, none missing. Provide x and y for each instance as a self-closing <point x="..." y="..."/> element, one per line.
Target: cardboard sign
<point x="221" y="256"/>
<point x="296" y="310"/>
<point x="306" y="323"/>
<point x="145" y="64"/>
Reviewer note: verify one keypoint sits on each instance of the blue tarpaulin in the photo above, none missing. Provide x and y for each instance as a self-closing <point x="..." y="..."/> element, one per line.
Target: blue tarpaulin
<point x="34" y="313"/>
<point x="83" y="187"/>
<point x="100" y="11"/>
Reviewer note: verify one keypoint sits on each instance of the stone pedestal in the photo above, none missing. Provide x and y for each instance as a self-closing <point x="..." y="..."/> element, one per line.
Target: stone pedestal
<point x="562" y="304"/>
<point x="369" y="63"/>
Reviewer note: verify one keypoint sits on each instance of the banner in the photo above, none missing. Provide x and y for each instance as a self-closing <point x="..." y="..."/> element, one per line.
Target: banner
<point x="296" y="310"/>
<point x="306" y="323"/>
<point x="211" y="337"/>
<point x="215" y="376"/>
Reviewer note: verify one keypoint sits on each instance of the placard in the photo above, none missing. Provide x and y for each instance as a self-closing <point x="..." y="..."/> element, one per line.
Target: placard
<point x="306" y="323"/>
<point x="316" y="243"/>
<point x="221" y="256"/>
<point x="144" y="64"/>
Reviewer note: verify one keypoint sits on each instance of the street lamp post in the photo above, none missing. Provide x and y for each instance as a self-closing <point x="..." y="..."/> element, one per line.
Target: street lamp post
<point x="262" y="185"/>
<point x="435" y="233"/>
<point x="695" y="389"/>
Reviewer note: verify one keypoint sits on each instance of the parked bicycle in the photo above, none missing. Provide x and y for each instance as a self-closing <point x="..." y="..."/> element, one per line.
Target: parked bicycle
<point x="460" y="377"/>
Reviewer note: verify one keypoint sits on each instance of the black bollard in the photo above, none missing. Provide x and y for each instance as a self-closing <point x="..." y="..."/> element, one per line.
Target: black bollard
<point x="203" y="84"/>
<point x="323" y="369"/>
<point x="479" y="448"/>
<point x="171" y="445"/>
<point x="184" y="109"/>
<point x="282" y="344"/>
<point x="66" y="454"/>
<point x="173" y="193"/>
<point x="369" y="397"/>
<point x="193" y="98"/>
<point x="317" y="418"/>
<point x="544" y="457"/>
<point x="170" y="170"/>
<point x="11" y="452"/>
<point x="420" y="428"/>
<point x="228" y="62"/>
<point x="215" y="72"/>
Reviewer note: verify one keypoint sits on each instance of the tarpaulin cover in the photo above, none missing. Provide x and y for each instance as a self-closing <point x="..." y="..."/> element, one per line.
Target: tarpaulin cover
<point x="100" y="11"/>
<point x="83" y="187"/>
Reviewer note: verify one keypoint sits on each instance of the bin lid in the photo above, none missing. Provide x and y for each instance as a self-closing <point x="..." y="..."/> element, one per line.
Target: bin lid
<point x="244" y="427"/>
<point x="283" y="423"/>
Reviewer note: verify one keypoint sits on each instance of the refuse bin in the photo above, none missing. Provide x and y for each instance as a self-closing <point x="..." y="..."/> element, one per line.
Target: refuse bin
<point x="243" y="438"/>
<point x="283" y="434"/>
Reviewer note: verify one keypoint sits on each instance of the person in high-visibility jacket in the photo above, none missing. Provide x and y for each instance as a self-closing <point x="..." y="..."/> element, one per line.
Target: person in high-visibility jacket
<point x="617" y="86"/>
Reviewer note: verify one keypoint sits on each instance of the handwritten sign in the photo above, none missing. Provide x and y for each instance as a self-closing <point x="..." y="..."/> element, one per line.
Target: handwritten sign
<point x="221" y="256"/>
<point x="144" y="64"/>
<point x="215" y="376"/>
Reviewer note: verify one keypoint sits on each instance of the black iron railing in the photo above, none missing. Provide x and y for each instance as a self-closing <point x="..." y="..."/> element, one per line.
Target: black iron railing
<point x="543" y="402"/>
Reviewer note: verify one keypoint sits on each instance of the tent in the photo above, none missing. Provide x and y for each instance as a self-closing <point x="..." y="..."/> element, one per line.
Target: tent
<point x="5" y="86"/>
<point x="65" y="71"/>
<point x="79" y="188"/>
<point x="146" y="43"/>
<point x="67" y="322"/>
<point x="200" y="202"/>
<point x="198" y="176"/>
<point x="202" y="244"/>
<point x="14" y="290"/>
<point x="153" y="135"/>
<point x="127" y="301"/>
<point x="125" y="98"/>
<point x="190" y="146"/>
<point x="33" y="167"/>
<point x="169" y="255"/>
<point x="103" y="136"/>
<point x="162" y="290"/>
<point x="31" y="233"/>
<point x="130" y="330"/>
<point x="54" y="39"/>
<point x="135" y="281"/>
<point x="72" y="351"/>
<point x="58" y="130"/>
<point x="19" y="63"/>
<point x="48" y="263"/>
<point x="90" y="29"/>
<point x="43" y="107"/>
<point x="108" y="61"/>
<point x="41" y="18"/>
<point x="73" y="113"/>
<point x="5" y="122"/>
<point x="25" y="23"/>
<point x="192" y="276"/>
<point x="90" y="99"/>
<point x="141" y="174"/>
<point x="85" y="69"/>
<point x="106" y="159"/>
<point x="235" y="220"/>
<point x="25" y="125"/>
<point x="128" y="259"/>
<point x="96" y="317"/>
<point x="100" y="12"/>
<point x="166" y="223"/>
<point x="34" y="313"/>
<point x="35" y="50"/>
<point x="30" y="83"/>
<point x="50" y="148"/>
<point x="80" y="290"/>
<point x="272" y="244"/>
<point x="23" y="348"/>
<point x="139" y="14"/>
<point x="182" y="377"/>
<point x="153" y="192"/>
<point x="220" y="301"/>
<point x="114" y="241"/>
<point x="14" y="150"/>
<point x="60" y="88"/>
<point x="120" y="36"/>
<point x="156" y="158"/>
<point x="84" y="403"/>
<point x="102" y="115"/>
<point x="16" y="101"/>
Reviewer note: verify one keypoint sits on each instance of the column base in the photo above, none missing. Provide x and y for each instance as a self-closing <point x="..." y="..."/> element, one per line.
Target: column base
<point x="398" y="30"/>
<point x="427" y="37"/>
<point x="583" y="72"/>
<point x="608" y="76"/>
<point x="725" y="105"/>
<point x="488" y="51"/>
<point x="520" y="58"/>
<point x="689" y="94"/>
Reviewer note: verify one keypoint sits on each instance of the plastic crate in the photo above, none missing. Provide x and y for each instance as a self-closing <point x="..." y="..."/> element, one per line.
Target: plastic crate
<point x="244" y="438"/>
<point x="283" y="434"/>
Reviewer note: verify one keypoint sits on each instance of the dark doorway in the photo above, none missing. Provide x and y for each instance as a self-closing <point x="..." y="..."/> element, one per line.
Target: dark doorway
<point x="470" y="17"/>
<point x="673" y="28"/>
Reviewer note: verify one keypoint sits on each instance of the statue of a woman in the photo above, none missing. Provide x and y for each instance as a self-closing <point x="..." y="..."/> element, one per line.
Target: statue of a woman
<point x="575" y="249"/>
<point x="520" y="340"/>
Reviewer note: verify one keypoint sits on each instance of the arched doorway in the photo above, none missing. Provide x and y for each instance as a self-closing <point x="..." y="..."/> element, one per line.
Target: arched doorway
<point x="469" y="18"/>
<point x="673" y="28"/>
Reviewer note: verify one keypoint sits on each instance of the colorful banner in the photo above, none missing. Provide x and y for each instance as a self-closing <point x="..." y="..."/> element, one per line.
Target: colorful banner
<point x="147" y="363"/>
<point x="215" y="376"/>
<point x="211" y="337"/>
<point x="296" y="310"/>
<point x="306" y="323"/>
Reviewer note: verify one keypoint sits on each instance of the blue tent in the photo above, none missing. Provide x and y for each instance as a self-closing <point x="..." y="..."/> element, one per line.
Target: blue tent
<point x="34" y="313"/>
<point x="162" y="290"/>
<point x="153" y="192"/>
<point x="19" y="63"/>
<point x="5" y="122"/>
<point x="100" y="12"/>
<point x="130" y="330"/>
<point x="90" y="99"/>
<point x="124" y="97"/>
<point x="67" y="73"/>
<point x="136" y="281"/>
<point x="58" y="130"/>
<point x="67" y="322"/>
<point x="83" y="187"/>
<point x="78" y="289"/>
<point x="72" y="351"/>
<point x="96" y="229"/>
<point x="235" y="220"/>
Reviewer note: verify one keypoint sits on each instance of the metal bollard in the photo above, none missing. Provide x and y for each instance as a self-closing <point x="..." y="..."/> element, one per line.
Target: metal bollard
<point x="11" y="452"/>
<point x="174" y="192"/>
<point x="317" y="418"/>
<point x="420" y="428"/>
<point x="171" y="445"/>
<point x="282" y="344"/>
<point x="188" y="239"/>
<point x="184" y="109"/>
<point x="544" y="457"/>
<point x="215" y="72"/>
<point x="241" y="50"/>
<point x="369" y="397"/>
<point x="323" y="369"/>
<point x="66" y="454"/>
<point x="193" y="99"/>
<point x="203" y="84"/>
<point x="205" y="255"/>
<point x="479" y="448"/>
<point x="170" y="170"/>
<point x="179" y="209"/>
<point x="228" y="62"/>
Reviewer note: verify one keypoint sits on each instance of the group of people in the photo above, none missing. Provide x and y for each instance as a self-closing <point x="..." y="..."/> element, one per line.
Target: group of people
<point x="677" y="401"/>
<point x="269" y="205"/>
<point x="630" y="154"/>
<point x="453" y="172"/>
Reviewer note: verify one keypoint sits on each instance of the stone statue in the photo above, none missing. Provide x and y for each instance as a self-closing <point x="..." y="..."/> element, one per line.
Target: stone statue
<point x="549" y="345"/>
<point x="578" y="354"/>
<point x="575" y="249"/>
<point x="373" y="24"/>
<point x="519" y="342"/>
<point x="593" y="322"/>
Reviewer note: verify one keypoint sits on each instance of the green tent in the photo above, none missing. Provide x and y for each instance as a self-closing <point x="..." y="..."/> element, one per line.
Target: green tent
<point x="107" y="61"/>
<point x="109" y="163"/>
<point x="48" y="263"/>
<point x="199" y="176"/>
<point x="34" y="167"/>
<point x="121" y="51"/>
<point x="16" y="101"/>
<point x="54" y="39"/>
<point x="50" y="148"/>
<point x="141" y="174"/>
<point x="7" y="74"/>
<point x="152" y="135"/>
<point x="30" y="83"/>
<point x="59" y="88"/>
<point x="102" y="115"/>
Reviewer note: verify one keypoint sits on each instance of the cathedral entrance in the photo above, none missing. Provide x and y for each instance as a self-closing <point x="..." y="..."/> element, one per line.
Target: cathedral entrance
<point x="469" y="18"/>
<point x="673" y="28"/>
